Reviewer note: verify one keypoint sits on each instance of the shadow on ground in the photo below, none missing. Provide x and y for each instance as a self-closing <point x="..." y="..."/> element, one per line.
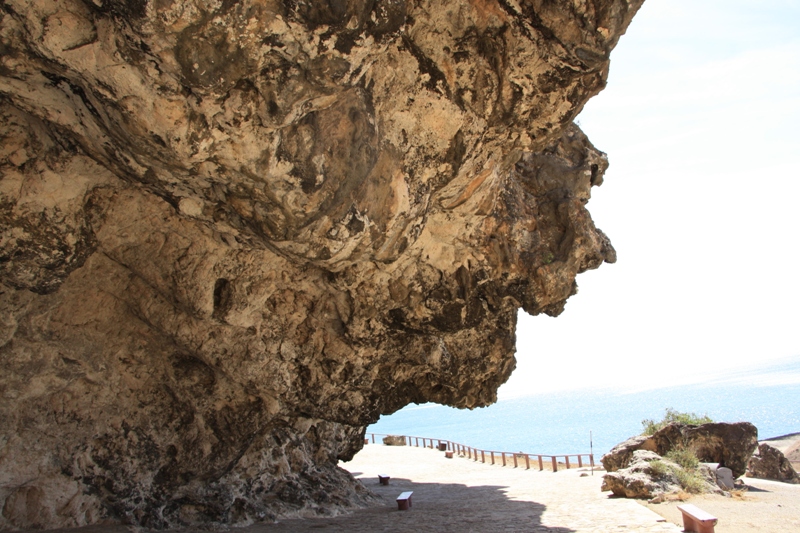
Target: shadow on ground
<point x="440" y="507"/>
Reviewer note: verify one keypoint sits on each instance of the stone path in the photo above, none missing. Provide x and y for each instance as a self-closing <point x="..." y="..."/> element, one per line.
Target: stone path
<point x="460" y="495"/>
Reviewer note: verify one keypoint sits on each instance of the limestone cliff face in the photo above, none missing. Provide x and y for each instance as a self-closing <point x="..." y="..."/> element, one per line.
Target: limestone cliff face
<point x="236" y="232"/>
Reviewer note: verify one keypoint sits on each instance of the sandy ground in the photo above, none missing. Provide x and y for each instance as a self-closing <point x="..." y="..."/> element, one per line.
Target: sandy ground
<point x="767" y="506"/>
<point x="461" y="495"/>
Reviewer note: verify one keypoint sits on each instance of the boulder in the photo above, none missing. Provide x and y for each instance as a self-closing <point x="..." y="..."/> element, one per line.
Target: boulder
<point x="394" y="440"/>
<point x="621" y="454"/>
<point x="729" y="444"/>
<point x="638" y="479"/>
<point x="649" y="476"/>
<point x="770" y="463"/>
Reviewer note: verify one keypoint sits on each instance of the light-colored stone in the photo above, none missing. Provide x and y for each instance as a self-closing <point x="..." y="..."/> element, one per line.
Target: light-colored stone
<point x="724" y="478"/>
<point x="620" y="455"/>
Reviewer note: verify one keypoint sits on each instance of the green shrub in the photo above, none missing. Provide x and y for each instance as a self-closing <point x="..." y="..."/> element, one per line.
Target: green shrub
<point x="691" y="481"/>
<point x="658" y="467"/>
<point x="683" y="457"/>
<point x="651" y="426"/>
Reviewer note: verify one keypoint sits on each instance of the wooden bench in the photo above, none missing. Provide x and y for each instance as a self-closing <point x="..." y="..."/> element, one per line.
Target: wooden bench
<point x="404" y="501"/>
<point x="383" y="479"/>
<point x="695" y="519"/>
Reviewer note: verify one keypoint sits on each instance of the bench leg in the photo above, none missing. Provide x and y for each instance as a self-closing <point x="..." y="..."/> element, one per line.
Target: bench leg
<point x="690" y="524"/>
<point x="706" y="527"/>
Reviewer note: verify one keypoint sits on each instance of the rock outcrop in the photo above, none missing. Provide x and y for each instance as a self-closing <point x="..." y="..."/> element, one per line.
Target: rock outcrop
<point x="236" y="232"/>
<point x="729" y="444"/>
<point x="639" y="467"/>
<point x="650" y="476"/>
<point x="621" y="455"/>
<point x="770" y="463"/>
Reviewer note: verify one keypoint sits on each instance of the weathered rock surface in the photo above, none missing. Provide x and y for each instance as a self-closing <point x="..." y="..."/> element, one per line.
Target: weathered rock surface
<point x="770" y="463"/>
<point x="233" y="233"/>
<point x="729" y="444"/>
<point x="638" y="479"/>
<point x="650" y="476"/>
<point x="629" y="464"/>
<point x="394" y="440"/>
<point x="621" y="455"/>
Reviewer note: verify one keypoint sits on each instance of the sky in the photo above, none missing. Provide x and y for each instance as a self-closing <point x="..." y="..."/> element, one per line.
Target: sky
<point x="700" y="123"/>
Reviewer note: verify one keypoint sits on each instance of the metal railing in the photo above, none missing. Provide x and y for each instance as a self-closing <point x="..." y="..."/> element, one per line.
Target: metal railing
<point x="472" y="453"/>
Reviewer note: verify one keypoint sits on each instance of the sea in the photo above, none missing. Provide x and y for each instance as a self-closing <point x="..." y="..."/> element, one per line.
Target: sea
<point x="593" y="421"/>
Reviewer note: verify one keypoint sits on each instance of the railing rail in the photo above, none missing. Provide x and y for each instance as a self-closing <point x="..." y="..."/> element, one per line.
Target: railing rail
<point x="472" y="453"/>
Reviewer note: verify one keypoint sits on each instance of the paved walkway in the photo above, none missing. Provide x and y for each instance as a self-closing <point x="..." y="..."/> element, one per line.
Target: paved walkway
<point x="459" y="495"/>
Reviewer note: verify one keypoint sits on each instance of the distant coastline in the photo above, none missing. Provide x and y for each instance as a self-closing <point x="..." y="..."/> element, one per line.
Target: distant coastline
<point x="561" y="422"/>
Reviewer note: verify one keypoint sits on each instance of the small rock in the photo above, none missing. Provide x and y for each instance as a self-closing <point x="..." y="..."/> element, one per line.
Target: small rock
<point x="394" y="440"/>
<point x="770" y="463"/>
<point x="725" y="478"/>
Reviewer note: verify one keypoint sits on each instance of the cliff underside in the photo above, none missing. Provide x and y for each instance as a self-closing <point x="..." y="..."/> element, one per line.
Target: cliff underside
<point x="233" y="233"/>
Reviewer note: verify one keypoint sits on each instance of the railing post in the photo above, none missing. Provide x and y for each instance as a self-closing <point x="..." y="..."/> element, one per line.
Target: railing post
<point x="555" y="464"/>
<point x="492" y="453"/>
<point x="504" y="458"/>
<point x="566" y="458"/>
<point x="580" y="462"/>
<point x="515" y="460"/>
<point x="541" y="465"/>
<point x="373" y="438"/>
<point x="527" y="462"/>
<point x="483" y="457"/>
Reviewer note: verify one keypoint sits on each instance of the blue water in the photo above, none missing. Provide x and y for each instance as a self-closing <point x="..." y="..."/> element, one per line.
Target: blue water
<point x="560" y="423"/>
